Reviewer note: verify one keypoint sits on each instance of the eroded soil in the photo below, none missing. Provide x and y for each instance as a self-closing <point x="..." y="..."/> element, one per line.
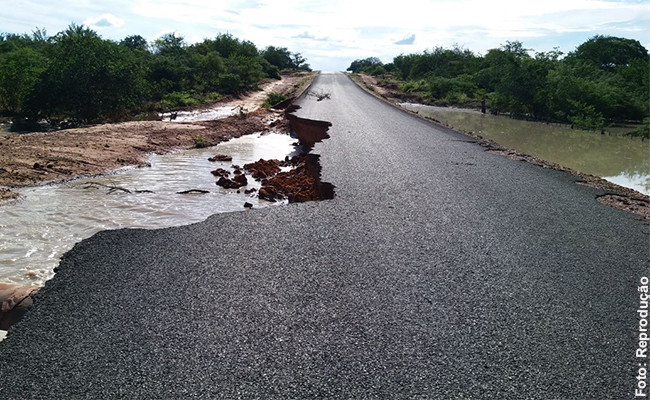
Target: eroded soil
<point x="28" y="159"/>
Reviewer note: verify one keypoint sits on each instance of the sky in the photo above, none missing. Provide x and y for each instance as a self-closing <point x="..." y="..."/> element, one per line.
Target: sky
<point x="333" y="33"/>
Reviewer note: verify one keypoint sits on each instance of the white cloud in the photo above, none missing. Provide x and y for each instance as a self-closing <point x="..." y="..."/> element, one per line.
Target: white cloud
<point x="335" y="30"/>
<point x="104" y="21"/>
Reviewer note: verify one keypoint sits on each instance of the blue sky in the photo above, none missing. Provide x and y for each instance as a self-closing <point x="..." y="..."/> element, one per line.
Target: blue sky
<point x="332" y="33"/>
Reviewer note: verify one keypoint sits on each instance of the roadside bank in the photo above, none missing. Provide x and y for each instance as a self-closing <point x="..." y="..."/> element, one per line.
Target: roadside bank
<point x="179" y="192"/>
<point x="615" y="195"/>
<point x="44" y="157"/>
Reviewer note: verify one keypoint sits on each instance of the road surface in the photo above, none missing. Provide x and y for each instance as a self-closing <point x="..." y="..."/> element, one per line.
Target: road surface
<point x="438" y="271"/>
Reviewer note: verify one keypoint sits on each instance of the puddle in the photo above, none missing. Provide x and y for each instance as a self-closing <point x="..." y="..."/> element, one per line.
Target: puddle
<point x="50" y="219"/>
<point x="612" y="156"/>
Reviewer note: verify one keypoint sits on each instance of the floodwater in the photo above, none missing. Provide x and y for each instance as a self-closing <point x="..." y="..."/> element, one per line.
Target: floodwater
<point x="613" y="156"/>
<point x="207" y="114"/>
<point x="50" y="219"/>
<point x="4" y="130"/>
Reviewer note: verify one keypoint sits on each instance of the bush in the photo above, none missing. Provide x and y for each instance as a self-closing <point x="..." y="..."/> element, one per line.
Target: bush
<point x="179" y="99"/>
<point x="87" y="79"/>
<point x="455" y="97"/>
<point x="460" y="87"/>
<point x="643" y="131"/>
<point x="413" y="86"/>
<point x="585" y="116"/>
<point x="201" y="142"/>
<point x="375" y="70"/>
<point x="273" y="98"/>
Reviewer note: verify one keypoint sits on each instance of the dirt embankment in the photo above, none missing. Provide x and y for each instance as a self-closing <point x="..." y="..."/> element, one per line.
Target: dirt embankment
<point x="388" y="91"/>
<point x="615" y="196"/>
<point x="28" y="159"/>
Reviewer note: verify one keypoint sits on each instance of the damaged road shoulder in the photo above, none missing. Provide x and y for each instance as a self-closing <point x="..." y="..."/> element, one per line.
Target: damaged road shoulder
<point x="302" y="182"/>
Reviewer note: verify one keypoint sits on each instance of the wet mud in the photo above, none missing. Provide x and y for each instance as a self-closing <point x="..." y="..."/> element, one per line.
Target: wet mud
<point x="15" y="300"/>
<point x="296" y="179"/>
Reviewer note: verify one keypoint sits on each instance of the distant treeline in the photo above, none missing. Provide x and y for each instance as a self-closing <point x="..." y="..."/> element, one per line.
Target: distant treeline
<point x="77" y="77"/>
<point x="605" y="80"/>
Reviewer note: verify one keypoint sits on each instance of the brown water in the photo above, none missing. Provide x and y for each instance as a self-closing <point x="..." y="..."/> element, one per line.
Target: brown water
<point x="208" y="114"/>
<point x="50" y="219"/>
<point x="613" y="156"/>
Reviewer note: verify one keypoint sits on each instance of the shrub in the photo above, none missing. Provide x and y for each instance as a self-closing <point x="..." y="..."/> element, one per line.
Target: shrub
<point x="200" y="142"/>
<point x="585" y="116"/>
<point x="273" y="98"/>
<point x="643" y="131"/>
<point x="179" y="99"/>
<point x="413" y="86"/>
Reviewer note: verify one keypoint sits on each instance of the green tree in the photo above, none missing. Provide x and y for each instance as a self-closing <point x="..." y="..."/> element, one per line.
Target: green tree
<point x="609" y="52"/>
<point x="135" y="42"/>
<point x="403" y="65"/>
<point x="206" y="71"/>
<point x="78" y="77"/>
<point x="88" y="79"/>
<point x="299" y="62"/>
<point x="360" y="65"/>
<point x="20" y="71"/>
<point x="504" y="75"/>
<point x="278" y="56"/>
<point x="170" y="45"/>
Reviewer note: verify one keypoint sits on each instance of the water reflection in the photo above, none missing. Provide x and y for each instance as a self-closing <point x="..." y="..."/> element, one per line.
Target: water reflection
<point x="36" y="231"/>
<point x="613" y="156"/>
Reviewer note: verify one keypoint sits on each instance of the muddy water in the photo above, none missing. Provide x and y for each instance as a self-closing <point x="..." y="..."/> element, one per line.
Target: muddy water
<point x="50" y="219"/>
<point x="612" y="156"/>
<point x="207" y="114"/>
<point x="4" y="130"/>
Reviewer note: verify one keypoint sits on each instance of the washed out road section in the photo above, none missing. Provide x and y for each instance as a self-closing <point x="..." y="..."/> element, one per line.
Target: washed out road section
<point x="438" y="270"/>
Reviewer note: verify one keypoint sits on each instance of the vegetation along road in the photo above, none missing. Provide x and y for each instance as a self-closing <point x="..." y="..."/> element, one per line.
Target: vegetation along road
<point x="438" y="270"/>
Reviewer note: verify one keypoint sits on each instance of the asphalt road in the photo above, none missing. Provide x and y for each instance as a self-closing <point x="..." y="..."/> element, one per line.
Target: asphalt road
<point x="438" y="271"/>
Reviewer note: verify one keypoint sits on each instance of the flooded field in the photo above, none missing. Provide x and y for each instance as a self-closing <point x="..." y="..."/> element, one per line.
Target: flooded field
<point x="613" y="156"/>
<point x="50" y="219"/>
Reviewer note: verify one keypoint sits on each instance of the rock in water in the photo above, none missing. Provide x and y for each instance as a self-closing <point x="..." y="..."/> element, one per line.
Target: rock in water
<point x="220" y="157"/>
<point x="263" y="168"/>
<point x="220" y="172"/>
<point x="229" y="183"/>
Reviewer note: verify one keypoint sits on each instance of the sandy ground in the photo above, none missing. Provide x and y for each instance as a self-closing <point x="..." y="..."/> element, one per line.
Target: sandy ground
<point x="615" y="196"/>
<point x="34" y="158"/>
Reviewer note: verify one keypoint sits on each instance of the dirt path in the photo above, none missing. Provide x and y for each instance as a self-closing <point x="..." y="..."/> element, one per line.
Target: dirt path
<point x="33" y="158"/>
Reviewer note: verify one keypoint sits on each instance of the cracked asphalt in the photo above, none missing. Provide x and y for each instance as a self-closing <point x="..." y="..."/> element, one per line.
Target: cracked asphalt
<point x="438" y="271"/>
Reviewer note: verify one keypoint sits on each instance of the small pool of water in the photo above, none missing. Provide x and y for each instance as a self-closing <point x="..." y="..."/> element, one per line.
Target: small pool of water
<point x="50" y="219"/>
<point x="613" y="156"/>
